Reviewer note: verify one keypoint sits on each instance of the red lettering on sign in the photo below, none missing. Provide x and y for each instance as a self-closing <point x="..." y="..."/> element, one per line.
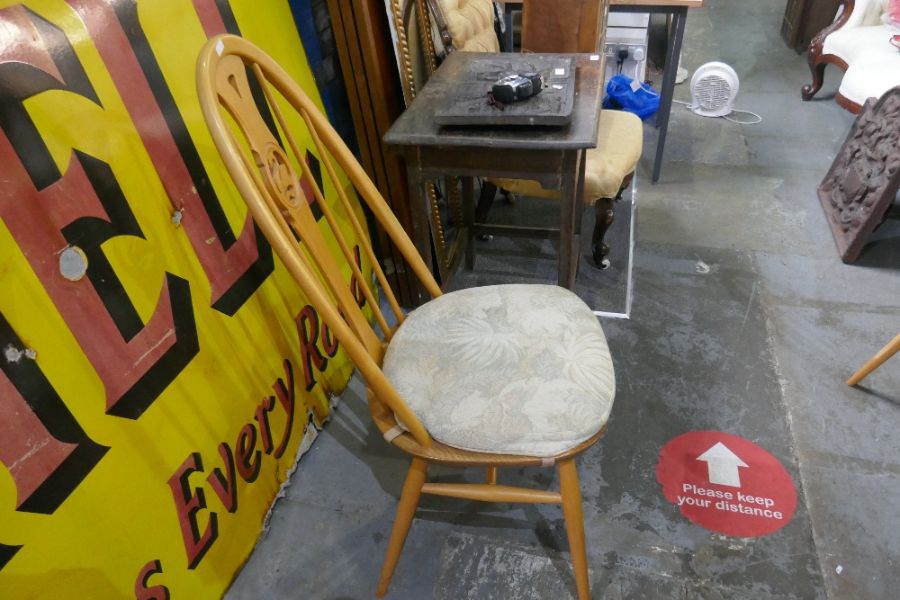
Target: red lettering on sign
<point x="329" y="342"/>
<point x="245" y="461"/>
<point x="210" y="18"/>
<point x="287" y="397"/>
<point x="188" y="502"/>
<point x="84" y="208"/>
<point x="234" y="266"/>
<point x="28" y="450"/>
<point x="156" y="592"/>
<point x="308" y="330"/>
<point x="43" y="447"/>
<point x="225" y="485"/>
<point x="262" y="418"/>
<point x="248" y="457"/>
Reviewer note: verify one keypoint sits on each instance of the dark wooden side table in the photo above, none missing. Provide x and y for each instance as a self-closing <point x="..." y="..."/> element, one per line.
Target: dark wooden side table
<point x="553" y="156"/>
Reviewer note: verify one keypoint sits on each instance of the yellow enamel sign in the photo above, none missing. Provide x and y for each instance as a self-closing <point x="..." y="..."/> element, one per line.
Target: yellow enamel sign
<point x="160" y="370"/>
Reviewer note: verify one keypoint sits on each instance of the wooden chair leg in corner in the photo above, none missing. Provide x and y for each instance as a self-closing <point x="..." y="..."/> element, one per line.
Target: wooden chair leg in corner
<point x="885" y="353"/>
<point x="571" y="505"/>
<point x="409" y="500"/>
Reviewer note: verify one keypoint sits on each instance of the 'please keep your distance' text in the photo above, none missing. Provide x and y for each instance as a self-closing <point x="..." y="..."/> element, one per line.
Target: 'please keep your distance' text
<point x="736" y="502"/>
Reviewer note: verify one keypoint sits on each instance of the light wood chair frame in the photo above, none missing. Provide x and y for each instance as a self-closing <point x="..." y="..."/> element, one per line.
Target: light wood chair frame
<point x="890" y="349"/>
<point x="268" y="181"/>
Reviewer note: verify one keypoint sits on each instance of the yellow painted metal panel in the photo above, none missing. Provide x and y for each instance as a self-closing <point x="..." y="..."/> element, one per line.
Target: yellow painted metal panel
<point x="160" y="370"/>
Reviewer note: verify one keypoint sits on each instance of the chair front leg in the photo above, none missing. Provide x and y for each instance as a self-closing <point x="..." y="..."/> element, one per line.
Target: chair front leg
<point x="570" y="490"/>
<point x="406" y="510"/>
<point x="816" y="49"/>
<point x="818" y="77"/>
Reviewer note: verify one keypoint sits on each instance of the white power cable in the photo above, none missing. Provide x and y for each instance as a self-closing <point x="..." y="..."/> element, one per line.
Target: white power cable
<point x="759" y="119"/>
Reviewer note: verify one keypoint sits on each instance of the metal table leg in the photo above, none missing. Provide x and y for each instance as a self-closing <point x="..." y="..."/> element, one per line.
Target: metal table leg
<point x="673" y="50"/>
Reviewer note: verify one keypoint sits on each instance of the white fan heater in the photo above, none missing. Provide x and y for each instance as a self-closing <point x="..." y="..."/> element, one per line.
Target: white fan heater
<point x="714" y="87"/>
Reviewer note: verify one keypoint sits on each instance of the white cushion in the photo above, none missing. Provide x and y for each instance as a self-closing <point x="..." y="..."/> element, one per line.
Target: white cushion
<point x="871" y="76"/>
<point x="514" y="369"/>
<point x="851" y="44"/>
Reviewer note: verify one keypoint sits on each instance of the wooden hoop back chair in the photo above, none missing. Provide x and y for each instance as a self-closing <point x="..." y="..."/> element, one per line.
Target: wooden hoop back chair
<point x="265" y="173"/>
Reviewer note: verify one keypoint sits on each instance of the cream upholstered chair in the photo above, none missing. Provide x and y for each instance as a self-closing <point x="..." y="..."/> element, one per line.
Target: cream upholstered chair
<point x="859" y="43"/>
<point x="490" y="377"/>
<point x="610" y="166"/>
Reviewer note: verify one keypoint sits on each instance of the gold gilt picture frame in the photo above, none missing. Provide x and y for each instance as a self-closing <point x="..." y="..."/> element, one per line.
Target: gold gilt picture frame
<point x="417" y="55"/>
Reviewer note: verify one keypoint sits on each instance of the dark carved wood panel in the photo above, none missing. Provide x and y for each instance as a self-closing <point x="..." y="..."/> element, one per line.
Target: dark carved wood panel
<point x="864" y="178"/>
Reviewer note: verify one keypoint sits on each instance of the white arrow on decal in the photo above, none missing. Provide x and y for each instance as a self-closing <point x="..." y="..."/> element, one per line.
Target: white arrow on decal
<point x="723" y="465"/>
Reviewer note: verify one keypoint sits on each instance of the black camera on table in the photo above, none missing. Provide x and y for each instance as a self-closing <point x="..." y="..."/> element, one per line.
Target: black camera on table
<point x="517" y="86"/>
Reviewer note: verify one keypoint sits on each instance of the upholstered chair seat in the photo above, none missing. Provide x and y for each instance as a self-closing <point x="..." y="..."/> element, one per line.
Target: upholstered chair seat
<point x="508" y="369"/>
<point x="619" y="145"/>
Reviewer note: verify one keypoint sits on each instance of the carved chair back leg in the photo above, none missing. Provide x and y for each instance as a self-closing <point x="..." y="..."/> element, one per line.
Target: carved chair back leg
<point x="605" y="216"/>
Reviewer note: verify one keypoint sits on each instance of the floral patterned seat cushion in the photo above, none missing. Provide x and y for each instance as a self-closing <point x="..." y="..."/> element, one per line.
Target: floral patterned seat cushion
<point x="513" y="369"/>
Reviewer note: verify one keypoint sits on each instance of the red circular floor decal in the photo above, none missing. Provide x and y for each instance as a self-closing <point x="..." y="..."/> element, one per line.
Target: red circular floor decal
<point x="727" y="484"/>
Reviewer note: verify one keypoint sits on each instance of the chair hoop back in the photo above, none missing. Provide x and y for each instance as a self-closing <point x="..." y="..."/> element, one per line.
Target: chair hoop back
<point x="268" y="163"/>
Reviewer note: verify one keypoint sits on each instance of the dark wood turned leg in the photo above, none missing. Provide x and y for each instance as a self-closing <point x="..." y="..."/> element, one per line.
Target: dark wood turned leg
<point x="818" y="77"/>
<point x="468" y="193"/>
<point x="485" y="201"/>
<point x="605" y="217"/>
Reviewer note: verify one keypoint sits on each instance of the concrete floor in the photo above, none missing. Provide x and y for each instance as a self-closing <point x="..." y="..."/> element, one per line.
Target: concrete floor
<point x="744" y="321"/>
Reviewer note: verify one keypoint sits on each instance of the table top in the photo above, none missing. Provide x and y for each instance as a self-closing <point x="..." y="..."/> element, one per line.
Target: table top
<point x="416" y="126"/>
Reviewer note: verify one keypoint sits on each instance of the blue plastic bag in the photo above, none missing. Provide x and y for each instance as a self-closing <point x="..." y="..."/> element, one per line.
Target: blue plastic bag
<point x="624" y="93"/>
